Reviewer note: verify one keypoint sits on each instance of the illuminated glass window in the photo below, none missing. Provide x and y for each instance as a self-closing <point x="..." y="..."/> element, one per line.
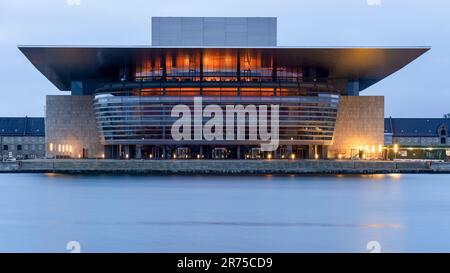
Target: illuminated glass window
<point x="149" y="69"/>
<point x="183" y="65"/>
<point x="220" y="65"/>
<point x="255" y="67"/>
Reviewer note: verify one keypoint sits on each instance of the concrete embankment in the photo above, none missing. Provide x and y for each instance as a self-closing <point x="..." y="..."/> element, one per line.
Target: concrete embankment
<point x="224" y="167"/>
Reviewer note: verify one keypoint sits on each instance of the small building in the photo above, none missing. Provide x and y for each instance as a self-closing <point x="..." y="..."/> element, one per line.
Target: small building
<point x="22" y="138"/>
<point x="417" y="138"/>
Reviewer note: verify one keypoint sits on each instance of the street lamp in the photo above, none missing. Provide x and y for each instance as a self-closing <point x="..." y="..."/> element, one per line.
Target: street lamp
<point x="395" y="151"/>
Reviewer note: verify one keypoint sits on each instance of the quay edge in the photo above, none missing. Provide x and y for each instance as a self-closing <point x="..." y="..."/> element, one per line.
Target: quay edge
<point x="222" y="167"/>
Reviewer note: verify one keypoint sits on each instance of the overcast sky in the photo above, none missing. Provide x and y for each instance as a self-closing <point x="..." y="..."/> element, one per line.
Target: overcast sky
<point x="422" y="89"/>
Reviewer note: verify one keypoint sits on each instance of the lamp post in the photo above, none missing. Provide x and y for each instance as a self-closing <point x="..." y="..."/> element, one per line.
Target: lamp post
<point x="395" y="151"/>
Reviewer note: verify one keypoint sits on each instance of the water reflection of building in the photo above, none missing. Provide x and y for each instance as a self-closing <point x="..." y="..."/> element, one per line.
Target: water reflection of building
<point x="121" y="97"/>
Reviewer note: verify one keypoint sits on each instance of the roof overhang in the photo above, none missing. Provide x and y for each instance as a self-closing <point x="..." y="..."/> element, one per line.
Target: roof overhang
<point x="63" y="64"/>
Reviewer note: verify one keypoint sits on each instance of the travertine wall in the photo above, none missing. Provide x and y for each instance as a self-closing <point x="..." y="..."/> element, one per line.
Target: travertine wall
<point x="360" y="124"/>
<point x="71" y="127"/>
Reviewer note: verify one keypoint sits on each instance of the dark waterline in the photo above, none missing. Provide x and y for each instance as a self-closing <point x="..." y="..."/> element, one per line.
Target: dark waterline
<point x="403" y="212"/>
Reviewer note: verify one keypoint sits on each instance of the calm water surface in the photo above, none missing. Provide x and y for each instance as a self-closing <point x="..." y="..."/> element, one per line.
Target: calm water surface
<point x="42" y="212"/>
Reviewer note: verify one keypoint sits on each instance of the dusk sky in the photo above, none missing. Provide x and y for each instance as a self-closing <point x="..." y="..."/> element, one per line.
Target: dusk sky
<point x="422" y="89"/>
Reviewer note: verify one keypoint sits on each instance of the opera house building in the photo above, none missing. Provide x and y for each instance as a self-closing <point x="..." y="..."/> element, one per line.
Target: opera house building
<point x="117" y="101"/>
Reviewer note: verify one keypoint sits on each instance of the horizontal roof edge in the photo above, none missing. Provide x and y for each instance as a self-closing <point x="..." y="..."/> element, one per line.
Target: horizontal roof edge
<point x="256" y="47"/>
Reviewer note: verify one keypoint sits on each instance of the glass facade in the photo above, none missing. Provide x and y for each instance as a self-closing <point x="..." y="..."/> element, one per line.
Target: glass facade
<point x="136" y="110"/>
<point x="148" y="119"/>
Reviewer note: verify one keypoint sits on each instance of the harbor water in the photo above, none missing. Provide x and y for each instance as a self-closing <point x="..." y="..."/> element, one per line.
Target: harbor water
<point x="107" y="213"/>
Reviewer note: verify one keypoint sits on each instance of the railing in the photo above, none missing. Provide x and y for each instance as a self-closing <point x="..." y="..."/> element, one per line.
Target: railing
<point x="224" y="77"/>
<point x="216" y="88"/>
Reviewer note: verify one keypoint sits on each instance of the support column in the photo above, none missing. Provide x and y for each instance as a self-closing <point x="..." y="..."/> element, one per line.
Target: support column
<point x="138" y="151"/>
<point x="289" y="151"/>
<point x="126" y="149"/>
<point x="324" y="152"/>
<point x="201" y="72"/>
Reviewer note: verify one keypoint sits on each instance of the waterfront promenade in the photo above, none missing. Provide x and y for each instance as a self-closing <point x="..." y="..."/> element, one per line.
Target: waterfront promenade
<point x="223" y="167"/>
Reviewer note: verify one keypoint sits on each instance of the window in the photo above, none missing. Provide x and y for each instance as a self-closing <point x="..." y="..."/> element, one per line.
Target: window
<point x="443" y="140"/>
<point x="19" y="147"/>
<point x="220" y="65"/>
<point x="5" y="147"/>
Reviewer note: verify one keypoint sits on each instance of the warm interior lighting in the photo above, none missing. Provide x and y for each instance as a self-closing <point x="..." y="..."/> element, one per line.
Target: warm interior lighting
<point x="103" y="156"/>
<point x="373" y="149"/>
<point x="174" y="156"/>
<point x="380" y="148"/>
<point x="316" y="156"/>
<point x="198" y="156"/>
<point x="292" y="156"/>
<point x="269" y="156"/>
<point x="51" y="147"/>
<point x="151" y="156"/>
<point x="79" y="156"/>
<point x="126" y="156"/>
<point x="395" y="148"/>
<point x="340" y="156"/>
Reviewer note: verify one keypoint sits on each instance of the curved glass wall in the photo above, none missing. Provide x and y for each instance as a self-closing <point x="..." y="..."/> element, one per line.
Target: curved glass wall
<point x="144" y="116"/>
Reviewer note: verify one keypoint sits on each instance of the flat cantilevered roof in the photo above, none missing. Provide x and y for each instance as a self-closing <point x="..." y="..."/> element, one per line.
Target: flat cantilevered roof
<point x="63" y="64"/>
